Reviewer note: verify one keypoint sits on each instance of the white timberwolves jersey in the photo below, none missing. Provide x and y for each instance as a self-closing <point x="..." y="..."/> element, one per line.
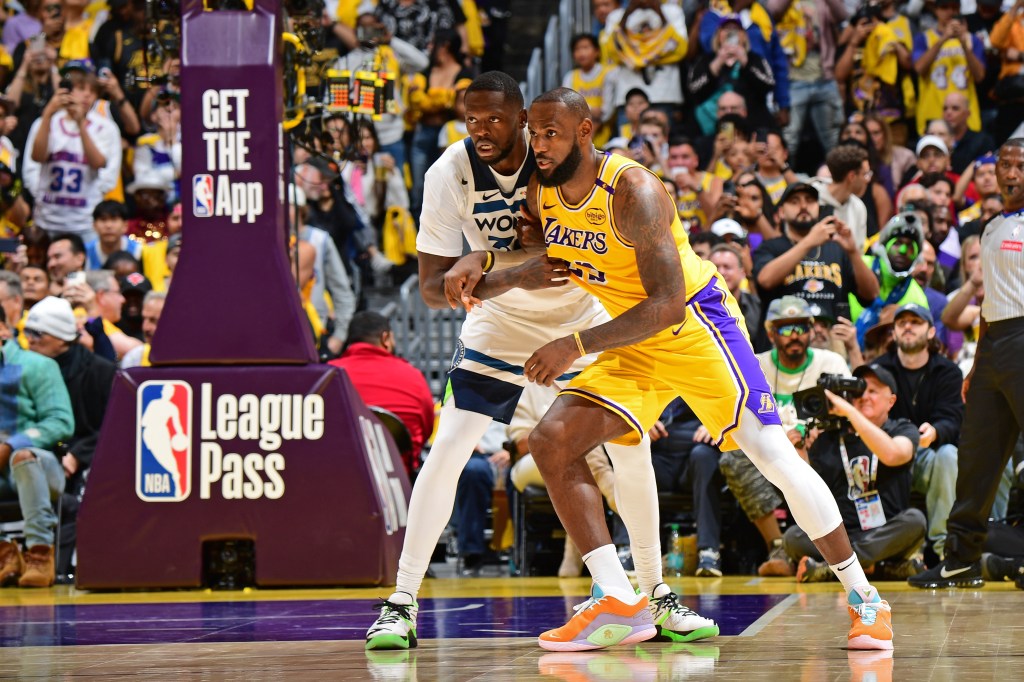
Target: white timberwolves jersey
<point x="462" y="196"/>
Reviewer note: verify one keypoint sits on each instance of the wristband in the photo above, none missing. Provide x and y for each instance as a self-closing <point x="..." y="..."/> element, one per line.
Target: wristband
<point x="489" y="262"/>
<point x="579" y="344"/>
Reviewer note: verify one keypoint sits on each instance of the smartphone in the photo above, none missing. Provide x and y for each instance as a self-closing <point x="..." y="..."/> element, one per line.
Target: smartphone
<point x="729" y="187"/>
<point x="729" y="130"/>
<point x="77" y="277"/>
<point x="9" y="245"/>
<point x="66" y="84"/>
<point x="824" y="211"/>
<point x="841" y="309"/>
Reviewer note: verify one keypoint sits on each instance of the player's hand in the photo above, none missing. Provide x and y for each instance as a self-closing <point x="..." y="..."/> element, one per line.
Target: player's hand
<point x="928" y="434"/>
<point x="462" y="278"/>
<point x="542" y="272"/>
<point x="702" y="435"/>
<point x="551" y="361"/>
<point x="528" y="229"/>
<point x="658" y="431"/>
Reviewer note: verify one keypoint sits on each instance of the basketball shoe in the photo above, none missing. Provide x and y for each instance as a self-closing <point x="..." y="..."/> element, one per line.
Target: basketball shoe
<point x="676" y="622"/>
<point x="600" y="622"/>
<point x="949" y="573"/>
<point x="871" y="617"/>
<point x="395" y="627"/>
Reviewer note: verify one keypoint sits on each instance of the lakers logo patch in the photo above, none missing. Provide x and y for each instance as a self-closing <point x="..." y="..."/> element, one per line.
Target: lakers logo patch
<point x="767" y="404"/>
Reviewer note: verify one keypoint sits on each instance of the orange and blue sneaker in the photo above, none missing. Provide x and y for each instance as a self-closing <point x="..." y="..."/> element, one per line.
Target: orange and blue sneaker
<point x="872" y="620"/>
<point x="602" y="621"/>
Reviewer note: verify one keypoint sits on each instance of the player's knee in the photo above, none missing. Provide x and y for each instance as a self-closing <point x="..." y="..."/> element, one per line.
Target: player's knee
<point x="22" y="456"/>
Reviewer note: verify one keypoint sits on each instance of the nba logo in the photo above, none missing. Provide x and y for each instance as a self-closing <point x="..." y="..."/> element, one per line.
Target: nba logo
<point x="163" y="441"/>
<point x="202" y="195"/>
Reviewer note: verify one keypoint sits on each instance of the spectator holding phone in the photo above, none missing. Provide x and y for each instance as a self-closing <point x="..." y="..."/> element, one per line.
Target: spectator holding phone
<point x="948" y="59"/>
<point x="74" y="155"/>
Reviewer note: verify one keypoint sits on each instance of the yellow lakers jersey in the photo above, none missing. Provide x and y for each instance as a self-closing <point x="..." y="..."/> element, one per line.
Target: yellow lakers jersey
<point x="593" y="92"/>
<point x="949" y="73"/>
<point x="602" y="259"/>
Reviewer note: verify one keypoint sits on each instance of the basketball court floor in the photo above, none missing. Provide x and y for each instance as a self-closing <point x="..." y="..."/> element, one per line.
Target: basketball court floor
<point x="486" y="628"/>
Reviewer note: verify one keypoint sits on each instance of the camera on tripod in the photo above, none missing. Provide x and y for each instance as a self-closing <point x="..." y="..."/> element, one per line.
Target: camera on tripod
<point x="812" y="404"/>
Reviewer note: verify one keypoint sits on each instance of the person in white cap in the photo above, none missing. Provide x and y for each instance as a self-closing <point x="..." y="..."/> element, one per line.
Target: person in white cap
<point x="38" y="415"/>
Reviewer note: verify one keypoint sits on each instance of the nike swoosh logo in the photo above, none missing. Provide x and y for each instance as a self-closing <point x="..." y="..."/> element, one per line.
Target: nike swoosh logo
<point x="949" y="574"/>
<point x="490" y="196"/>
<point x="548" y="208"/>
<point x="675" y="332"/>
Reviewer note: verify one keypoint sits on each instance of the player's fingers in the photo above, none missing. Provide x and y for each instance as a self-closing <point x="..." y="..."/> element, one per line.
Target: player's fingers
<point x="470" y="302"/>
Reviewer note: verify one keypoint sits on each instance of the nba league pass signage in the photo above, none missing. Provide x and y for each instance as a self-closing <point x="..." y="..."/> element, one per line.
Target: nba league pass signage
<point x="226" y="137"/>
<point x="164" y="459"/>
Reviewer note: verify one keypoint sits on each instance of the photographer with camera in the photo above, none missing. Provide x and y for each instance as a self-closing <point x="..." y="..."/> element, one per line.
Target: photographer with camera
<point x="789" y="367"/>
<point x="928" y="390"/>
<point x="866" y="458"/>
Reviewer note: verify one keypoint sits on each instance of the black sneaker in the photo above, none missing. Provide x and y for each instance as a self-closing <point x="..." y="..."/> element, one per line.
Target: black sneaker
<point x="999" y="568"/>
<point x="949" y="573"/>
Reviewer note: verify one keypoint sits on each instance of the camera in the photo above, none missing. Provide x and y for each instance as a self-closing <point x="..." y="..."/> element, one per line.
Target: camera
<point x="370" y="35"/>
<point x="812" y="404"/>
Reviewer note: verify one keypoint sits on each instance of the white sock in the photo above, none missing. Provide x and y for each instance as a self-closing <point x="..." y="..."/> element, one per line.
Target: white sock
<point x="850" y="573"/>
<point x="607" y="572"/>
<point x="402" y="598"/>
<point x="433" y="496"/>
<point x="636" y="497"/>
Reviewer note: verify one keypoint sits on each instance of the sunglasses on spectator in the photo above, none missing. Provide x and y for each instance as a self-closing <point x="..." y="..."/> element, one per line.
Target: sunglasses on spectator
<point x="33" y="334"/>
<point x="54" y="10"/>
<point x="797" y="328"/>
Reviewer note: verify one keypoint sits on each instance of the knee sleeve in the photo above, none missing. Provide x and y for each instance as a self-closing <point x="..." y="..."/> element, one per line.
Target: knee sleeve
<point x="813" y="506"/>
<point x="755" y="493"/>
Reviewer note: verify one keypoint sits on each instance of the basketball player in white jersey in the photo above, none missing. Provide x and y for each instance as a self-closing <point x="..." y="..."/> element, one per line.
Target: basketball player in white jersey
<point x="475" y="192"/>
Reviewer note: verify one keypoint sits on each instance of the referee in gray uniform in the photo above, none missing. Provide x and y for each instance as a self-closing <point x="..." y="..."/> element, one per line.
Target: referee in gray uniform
<point x="994" y="388"/>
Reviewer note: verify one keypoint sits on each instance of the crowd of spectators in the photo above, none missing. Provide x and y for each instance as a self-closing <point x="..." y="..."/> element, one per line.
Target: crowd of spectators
<point x="835" y="153"/>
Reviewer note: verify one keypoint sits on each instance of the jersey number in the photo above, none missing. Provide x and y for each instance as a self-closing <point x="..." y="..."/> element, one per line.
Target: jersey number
<point x="70" y="182"/>
<point x="587" y="271"/>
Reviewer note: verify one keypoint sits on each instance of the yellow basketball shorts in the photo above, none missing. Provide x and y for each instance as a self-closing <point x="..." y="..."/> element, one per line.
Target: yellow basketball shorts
<point x="708" y="361"/>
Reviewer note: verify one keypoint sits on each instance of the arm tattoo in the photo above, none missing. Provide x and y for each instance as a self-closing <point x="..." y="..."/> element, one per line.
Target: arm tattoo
<point x="644" y="215"/>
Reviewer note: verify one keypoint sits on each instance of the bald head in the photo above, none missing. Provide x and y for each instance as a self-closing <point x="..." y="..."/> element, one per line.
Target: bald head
<point x="955" y="112"/>
<point x="570" y="99"/>
<point x="731" y="103"/>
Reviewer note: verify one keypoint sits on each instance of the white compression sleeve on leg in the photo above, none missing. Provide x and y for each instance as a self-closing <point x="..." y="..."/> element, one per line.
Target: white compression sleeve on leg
<point x="433" y="496"/>
<point x="813" y="506"/>
<point x="636" y="496"/>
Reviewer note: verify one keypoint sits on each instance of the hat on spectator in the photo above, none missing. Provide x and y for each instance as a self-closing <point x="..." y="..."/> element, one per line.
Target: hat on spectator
<point x="788" y="308"/>
<point x="730" y="19"/>
<point x="986" y="159"/>
<point x="53" y="316"/>
<point x="879" y="333"/>
<point x="83" y="65"/>
<point x="915" y="309"/>
<point x="941" y="3"/>
<point x="174" y="242"/>
<point x="797" y="188"/>
<point x="932" y="141"/>
<point x="149" y="180"/>
<point x="135" y="283"/>
<point x="879" y="372"/>
<point x="991" y="3"/>
<point x="726" y="226"/>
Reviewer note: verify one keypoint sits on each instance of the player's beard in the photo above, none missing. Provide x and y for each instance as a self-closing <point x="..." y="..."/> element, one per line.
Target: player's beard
<point x="563" y="172"/>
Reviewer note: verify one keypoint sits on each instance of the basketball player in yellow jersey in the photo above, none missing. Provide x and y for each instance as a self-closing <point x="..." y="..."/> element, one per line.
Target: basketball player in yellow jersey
<point x="676" y="331"/>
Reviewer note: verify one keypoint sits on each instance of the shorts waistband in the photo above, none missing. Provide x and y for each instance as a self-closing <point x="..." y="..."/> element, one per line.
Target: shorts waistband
<point x="1013" y="325"/>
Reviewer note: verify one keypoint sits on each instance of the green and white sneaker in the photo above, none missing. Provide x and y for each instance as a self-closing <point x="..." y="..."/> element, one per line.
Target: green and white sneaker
<point x="676" y="622"/>
<point x="395" y="628"/>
